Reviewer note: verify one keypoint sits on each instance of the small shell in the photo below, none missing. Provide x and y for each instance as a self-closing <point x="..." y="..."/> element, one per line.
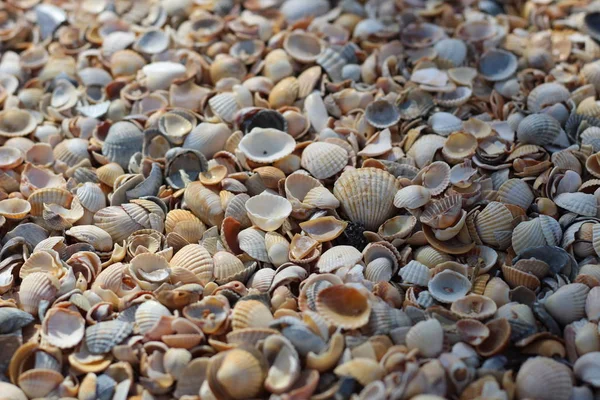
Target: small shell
<point x="498" y="339"/>
<point x="497" y="64"/>
<point x="545" y="95"/>
<point x="517" y="192"/>
<point x="411" y="197"/>
<point x="415" y="273"/>
<point x="586" y="369"/>
<point x="204" y="203"/>
<point x="303" y="47"/>
<point x="324" y="229"/>
<point x="474" y="306"/>
<point x="382" y="114"/>
<point x="229" y="268"/>
<point x="443" y="213"/>
<point x="427" y="337"/>
<point x="252" y="241"/>
<point x="35" y="288"/>
<point x="451" y="52"/>
<point x="268" y="211"/>
<point x="14" y="209"/>
<point x="324" y="160"/>
<point x="366" y="196"/>
<point x="124" y="139"/>
<point x="232" y="367"/>
<point x="338" y="257"/>
<point x="540" y="129"/>
<point x="266" y="145"/>
<point x="105" y="335"/>
<point x="363" y="370"/>
<point x="16" y="123"/>
<point x="557" y="378"/>
<point x="63" y="328"/>
<point x="444" y="123"/>
<point x="567" y="304"/>
<point x="37" y="383"/>
<point x="196" y="259"/>
<point x="344" y="306"/>
<point x="472" y="331"/>
<point x="458" y="147"/>
<point x="250" y="314"/>
<point x="448" y="286"/>
<point x="10" y="157"/>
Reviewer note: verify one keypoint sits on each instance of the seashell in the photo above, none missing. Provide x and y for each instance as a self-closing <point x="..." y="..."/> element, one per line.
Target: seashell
<point x="105" y="335"/>
<point x="12" y="392"/>
<point x="443" y="213"/>
<point x="14" y="209"/>
<point x="474" y="306"/>
<point x="382" y="114"/>
<point x="266" y="145"/>
<point x="324" y="160"/>
<point x="252" y="241"/>
<point x="338" y="257"/>
<point x="124" y="139"/>
<point x="229" y="268"/>
<point x="225" y="66"/>
<point x="72" y="151"/>
<point x="267" y="211"/>
<point x="343" y="306"/>
<point x="586" y="369"/>
<point x="545" y="95"/>
<point x="543" y="369"/>
<point x="497" y="65"/>
<point x="37" y="287"/>
<point x="458" y="147"/>
<point x="455" y="98"/>
<point x="204" y="203"/>
<point x="411" y="197"/>
<point x="537" y="232"/>
<point x="427" y="337"/>
<point x="540" y="129"/>
<point x="592" y="309"/>
<point x="498" y="339"/>
<point x="494" y="219"/>
<point x="444" y="123"/>
<point x="37" y="383"/>
<point x="16" y="123"/>
<point x="415" y="273"/>
<point x="13" y="319"/>
<point x="332" y="63"/>
<point x="378" y="144"/>
<point x="579" y="203"/>
<point x="303" y="47"/>
<point x="448" y="286"/>
<point x="324" y="229"/>
<point x="451" y="52"/>
<point x="107" y="174"/>
<point x="366" y="195"/>
<point x="567" y="304"/>
<point x="472" y="331"/>
<point x="225" y="373"/>
<point x="250" y="314"/>
<point x="209" y="314"/>
<point x="363" y="370"/>
<point x="196" y="259"/>
<point x="63" y="328"/>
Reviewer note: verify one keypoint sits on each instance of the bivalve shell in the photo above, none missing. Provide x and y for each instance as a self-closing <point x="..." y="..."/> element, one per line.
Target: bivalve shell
<point x="324" y="160"/>
<point x="556" y="377"/>
<point x="344" y="306"/>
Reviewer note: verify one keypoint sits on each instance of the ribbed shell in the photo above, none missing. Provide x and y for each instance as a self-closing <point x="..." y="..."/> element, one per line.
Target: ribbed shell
<point x="204" y="203"/>
<point x="556" y="379"/>
<point x="124" y="139"/>
<point x="540" y="129"/>
<point x="72" y="151"/>
<point x="492" y="220"/>
<point x="338" y="257"/>
<point x="416" y="273"/>
<point x="579" y="203"/>
<point x="567" y="304"/>
<point x="117" y="222"/>
<point x="546" y="95"/>
<point x="366" y="196"/>
<point x="91" y="197"/>
<point x="411" y="197"/>
<point x="105" y="335"/>
<point x="36" y="287"/>
<point x="61" y="197"/>
<point x="517" y="192"/>
<point x="452" y="52"/>
<point x="196" y="259"/>
<point x="252" y="241"/>
<point x="444" y="123"/>
<point x="323" y="160"/>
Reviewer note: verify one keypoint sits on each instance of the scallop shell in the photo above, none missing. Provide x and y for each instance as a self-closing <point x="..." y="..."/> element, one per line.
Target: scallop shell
<point x="266" y="145"/>
<point x="366" y="196"/>
<point x="229" y="268"/>
<point x="38" y="383"/>
<point x="225" y="373"/>
<point x="497" y="65"/>
<point x="72" y="151"/>
<point x="545" y="95"/>
<point x="338" y="257"/>
<point x="558" y="384"/>
<point x="540" y="231"/>
<point x="427" y="337"/>
<point x="517" y="192"/>
<point x="147" y="315"/>
<point x="268" y="211"/>
<point x="415" y="273"/>
<point x="411" y="197"/>
<point x="567" y="304"/>
<point x="252" y="241"/>
<point x="343" y="306"/>
<point x="540" y="129"/>
<point x="448" y="286"/>
<point x="491" y="222"/>
<point x="324" y="160"/>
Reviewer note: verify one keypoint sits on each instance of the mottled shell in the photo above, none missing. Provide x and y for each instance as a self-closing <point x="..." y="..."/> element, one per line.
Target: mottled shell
<point x="366" y="196"/>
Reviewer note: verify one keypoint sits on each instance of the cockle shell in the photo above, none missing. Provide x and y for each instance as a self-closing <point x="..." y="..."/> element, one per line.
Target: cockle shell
<point x="567" y="304"/>
<point x="338" y="257"/>
<point x="474" y="306"/>
<point x="444" y="123"/>
<point x="448" y="286"/>
<point x="542" y="369"/>
<point x="16" y="123"/>
<point x="268" y="211"/>
<point x="366" y="195"/>
<point x="36" y="287"/>
<point x="497" y="64"/>
<point x="416" y="273"/>
<point x="343" y="306"/>
<point x="323" y="160"/>
<point x="250" y="314"/>
<point x="579" y="203"/>
<point x="103" y="336"/>
<point x="545" y="95"/>
<point x="196" y="259"/>
<point x="426" y="336"/>
<point x="123" y="140"/>
<point x="540" y="129"/>
<point x="411" y="197"/>
<point x="266" y="145"/>
<point x="63" y="328"/>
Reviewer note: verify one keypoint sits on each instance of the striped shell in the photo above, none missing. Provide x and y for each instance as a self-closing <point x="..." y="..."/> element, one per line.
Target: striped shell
<point x="324" y="160"/>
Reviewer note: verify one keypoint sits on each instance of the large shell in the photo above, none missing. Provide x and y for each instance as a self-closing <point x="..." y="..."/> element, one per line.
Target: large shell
<point x="266" y="145"/>
<point x="366" y="195"/>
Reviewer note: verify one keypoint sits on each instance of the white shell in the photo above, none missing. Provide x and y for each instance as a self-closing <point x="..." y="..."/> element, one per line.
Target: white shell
<point x="267" y="145"/>
<point x="268" y="211"/>
<point x="448" y="286"/>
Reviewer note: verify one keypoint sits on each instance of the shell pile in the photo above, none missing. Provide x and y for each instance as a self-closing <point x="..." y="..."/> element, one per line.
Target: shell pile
<point x="301" y="199"/>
